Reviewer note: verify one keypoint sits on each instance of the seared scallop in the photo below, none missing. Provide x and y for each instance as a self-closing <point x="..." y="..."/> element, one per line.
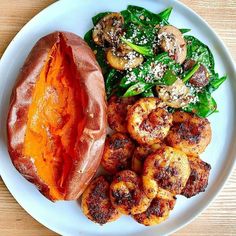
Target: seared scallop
<point x="198" y="179"/>
<point x="166" y="169"/>
<point x="117" y="153"/>
<point x="189" y="133"/>
<point x="96" y="204"/>
<point x="157" y="212"/>
<point x="117" y="112"/>
<point x="126" y="193"/>
<point x="149" y="121"/>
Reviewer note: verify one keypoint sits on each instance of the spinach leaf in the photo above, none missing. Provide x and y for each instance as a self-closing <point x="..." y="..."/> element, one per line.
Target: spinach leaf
<point x="184" y="31"/>
<point x="165" y="15"/>
<point x="136" y="89"/>
<point x="144" y="50"/>
<point x="141" y="35"/>
<point x="126" y="15"/>
<point x="99" y="52"/>
<point x="145" y="73"/>
<point x="99" y="16"/>
<point x="112" y="81"/>
<point x="145" y="89"/>
<point x="140" y="24"/>
<point x="215" y="83"/>
<point x="148" y="93"/>
<point x="205" y="106"/>
<point x="143" y="17"/>
<point x="89" y="39"/>
<point x="143" y="78"/>
<point x="191" y="72"/>
<point x="199" y="52"/>
<point x="169" y="77"/>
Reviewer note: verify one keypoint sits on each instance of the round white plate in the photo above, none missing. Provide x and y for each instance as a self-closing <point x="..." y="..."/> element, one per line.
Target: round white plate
<point x="65" y="217"/>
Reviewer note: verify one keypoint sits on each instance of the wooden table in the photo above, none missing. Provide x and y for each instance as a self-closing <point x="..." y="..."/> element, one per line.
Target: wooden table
<point x="219" y="218"/>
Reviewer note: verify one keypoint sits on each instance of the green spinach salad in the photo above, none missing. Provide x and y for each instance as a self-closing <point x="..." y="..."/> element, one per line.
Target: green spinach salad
<point x="142" y="53"/>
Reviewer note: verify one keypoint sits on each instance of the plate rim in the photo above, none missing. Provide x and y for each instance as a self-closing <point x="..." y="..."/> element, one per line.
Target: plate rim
<point x="232" y="64"/>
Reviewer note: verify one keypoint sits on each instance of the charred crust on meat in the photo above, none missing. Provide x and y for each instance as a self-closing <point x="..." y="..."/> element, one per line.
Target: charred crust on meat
<point x="198" y="179"/>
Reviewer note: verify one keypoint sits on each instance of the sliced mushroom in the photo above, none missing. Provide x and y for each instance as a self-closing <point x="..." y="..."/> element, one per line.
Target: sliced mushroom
<point x="123" y="58"/>
<point x="188" y="64"/>
<point x="201" y="77"/>
<point x="171" y="40"/>
<point x="108" y="29"/>
<point x="176" y="95"/>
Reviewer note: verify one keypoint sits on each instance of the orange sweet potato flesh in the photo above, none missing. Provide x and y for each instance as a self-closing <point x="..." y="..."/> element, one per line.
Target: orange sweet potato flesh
<point x="57" y="117"/>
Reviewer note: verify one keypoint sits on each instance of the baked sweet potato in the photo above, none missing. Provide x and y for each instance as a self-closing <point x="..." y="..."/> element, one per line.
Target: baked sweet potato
<point x="57" y="118"/>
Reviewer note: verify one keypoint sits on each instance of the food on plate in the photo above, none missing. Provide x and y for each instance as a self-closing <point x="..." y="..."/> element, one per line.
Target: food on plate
<point x="108" y="29"/>
<point x="117" y="153"/>
<point x="117" y="112"/>
<point x="141" y="52"/>
<point x="157" y="212"/>
<point x="126" y="193"/>
<point x="167" y="169"/>
<point x="201" y="77"/>
<point x="176" y="95"/>
<point x="164" y="194"/>
<point x="148" y="121"/>
<point x="198" y="179"/>
<point x="140" y="154"/>
<point x="171" y="40"/>
<point x="189" y="133"/>
<point x="159" y="82"/>
<point x="57" y="118"/>
<point x="123" y="58"/>
<point x="96" y="204"/>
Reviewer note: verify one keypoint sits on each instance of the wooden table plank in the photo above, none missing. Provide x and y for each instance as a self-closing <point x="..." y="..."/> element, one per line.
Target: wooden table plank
<point x="220" y="218"/>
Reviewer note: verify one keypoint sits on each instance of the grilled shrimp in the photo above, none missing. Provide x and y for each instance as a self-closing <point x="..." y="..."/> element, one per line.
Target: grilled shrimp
<point x="117" y="153"/>
<point x="164" y="194"/>
<point x="189" y="133"/>
<point x="117" y="112"/>
<point x="126" y="193"/>
<point x="148" y="121"/>
<point x="198" y="179"/>
<point x="96" y="204"/>
<point x="157" y="212"/>
<point x="166" y="169"/>
<point x="140" y="154"/>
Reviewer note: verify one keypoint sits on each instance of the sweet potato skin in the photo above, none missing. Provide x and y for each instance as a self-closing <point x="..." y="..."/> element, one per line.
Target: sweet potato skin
<point x="89" y="145"/>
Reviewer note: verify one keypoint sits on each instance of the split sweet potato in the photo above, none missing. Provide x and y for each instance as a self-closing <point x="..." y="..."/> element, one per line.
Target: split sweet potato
<point x="57" y="118"/>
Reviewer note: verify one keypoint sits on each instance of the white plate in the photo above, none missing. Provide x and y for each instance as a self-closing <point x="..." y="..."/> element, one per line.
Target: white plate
<point x="65" y="217"/>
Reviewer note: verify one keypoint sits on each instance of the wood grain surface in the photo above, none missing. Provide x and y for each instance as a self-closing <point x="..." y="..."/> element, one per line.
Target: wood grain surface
<point x="220" y="218"/>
